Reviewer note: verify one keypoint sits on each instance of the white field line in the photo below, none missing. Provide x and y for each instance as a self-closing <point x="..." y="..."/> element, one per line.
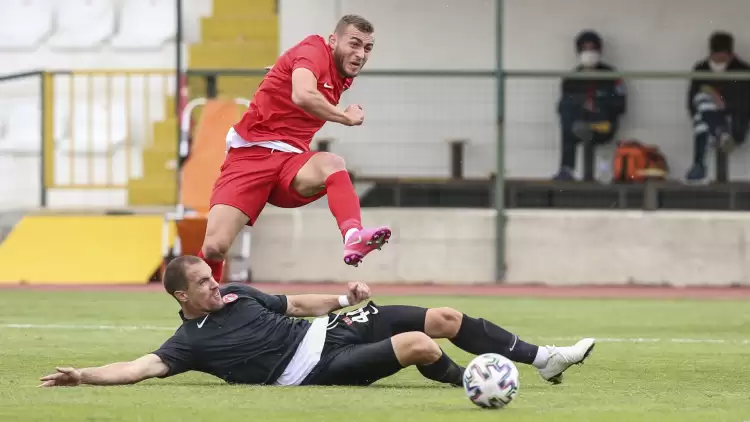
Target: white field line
<point x="87" y="327"/>
<point x="93" y="327"/>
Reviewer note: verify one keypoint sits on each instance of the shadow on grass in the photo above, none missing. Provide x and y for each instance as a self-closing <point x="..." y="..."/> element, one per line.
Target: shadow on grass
<point x="383" y="386"/>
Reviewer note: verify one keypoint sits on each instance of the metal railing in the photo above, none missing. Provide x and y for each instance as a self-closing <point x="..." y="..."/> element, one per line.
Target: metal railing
<point x="99" y="124"/>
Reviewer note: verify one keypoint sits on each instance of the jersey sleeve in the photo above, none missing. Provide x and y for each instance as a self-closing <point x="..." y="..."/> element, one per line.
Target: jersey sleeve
<point x="310" y="57"/>
<point x="176" y="354"/>
<point x="275" y="303"/>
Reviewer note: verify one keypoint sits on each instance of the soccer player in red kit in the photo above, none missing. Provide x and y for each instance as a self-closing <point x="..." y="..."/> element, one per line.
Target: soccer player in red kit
<point x="268" y="151"/>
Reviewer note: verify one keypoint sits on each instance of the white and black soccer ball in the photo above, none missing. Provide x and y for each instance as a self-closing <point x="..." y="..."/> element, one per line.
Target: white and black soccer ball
<point x="491" y="381"/>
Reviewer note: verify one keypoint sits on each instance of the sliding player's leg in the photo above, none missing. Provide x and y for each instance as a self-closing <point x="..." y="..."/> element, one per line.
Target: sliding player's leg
<point x="364" y="364"/>
<point x="478" y="336"/>
<point x="309" y="176"/>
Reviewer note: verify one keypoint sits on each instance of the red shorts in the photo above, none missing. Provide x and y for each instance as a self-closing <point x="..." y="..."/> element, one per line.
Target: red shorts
<point x="253" y="176"/>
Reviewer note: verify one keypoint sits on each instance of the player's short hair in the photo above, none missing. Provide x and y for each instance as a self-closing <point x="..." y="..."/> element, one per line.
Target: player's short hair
<point x="175" y="275"/>
<point x="362" y="24"/>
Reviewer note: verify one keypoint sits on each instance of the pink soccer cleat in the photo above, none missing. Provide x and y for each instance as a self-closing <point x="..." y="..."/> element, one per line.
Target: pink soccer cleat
<point x="364" y="241"/>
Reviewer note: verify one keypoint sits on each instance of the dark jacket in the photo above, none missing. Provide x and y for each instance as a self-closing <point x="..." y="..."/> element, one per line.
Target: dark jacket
<point x="608" y="95"/>
<point x="735" y="93"/>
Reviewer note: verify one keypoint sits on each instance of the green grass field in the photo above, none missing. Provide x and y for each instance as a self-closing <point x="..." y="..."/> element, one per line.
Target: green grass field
<point x="654" y="362"/>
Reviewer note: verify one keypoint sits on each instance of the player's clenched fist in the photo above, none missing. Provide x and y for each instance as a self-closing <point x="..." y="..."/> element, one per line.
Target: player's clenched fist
<point x="355" y="115"/>
<point x="358" y="292"/>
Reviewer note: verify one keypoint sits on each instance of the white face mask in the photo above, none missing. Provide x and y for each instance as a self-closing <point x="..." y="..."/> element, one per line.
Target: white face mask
<point x="589" y="58"/>
<point x="717" y="67"/>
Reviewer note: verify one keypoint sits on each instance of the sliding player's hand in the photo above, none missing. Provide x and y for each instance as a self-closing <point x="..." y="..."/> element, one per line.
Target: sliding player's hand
<point x="358" y="292"/>
<point x="64" y="377"/>
<point x="355" y="115"/>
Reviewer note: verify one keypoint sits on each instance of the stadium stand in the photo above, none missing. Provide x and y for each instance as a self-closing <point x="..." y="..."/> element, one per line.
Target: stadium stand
<point x="238" y="35"/>
<point x="145" y="24"/>
<point x="124" y="118"/>
<point x="420" y="117"/>
<point x="82" y="24"/>
<point x="24" y="24"/>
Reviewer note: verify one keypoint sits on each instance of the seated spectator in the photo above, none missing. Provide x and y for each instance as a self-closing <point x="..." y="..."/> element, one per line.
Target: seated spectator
<point x="589" y="109"/>
<point x="720" y="109"/>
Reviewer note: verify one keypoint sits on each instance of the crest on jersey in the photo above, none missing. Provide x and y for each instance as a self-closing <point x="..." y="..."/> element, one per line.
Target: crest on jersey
<point x="229" y="298"/>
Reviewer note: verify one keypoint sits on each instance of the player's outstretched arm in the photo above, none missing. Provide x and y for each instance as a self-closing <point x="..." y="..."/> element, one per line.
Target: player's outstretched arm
<point x="313" y="305"/>
<point x="120" y="373"/>
<point x="305" y="95"/>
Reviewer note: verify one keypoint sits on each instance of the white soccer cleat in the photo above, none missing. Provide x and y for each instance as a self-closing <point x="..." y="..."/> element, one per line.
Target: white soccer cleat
<point x="562" y="358"/>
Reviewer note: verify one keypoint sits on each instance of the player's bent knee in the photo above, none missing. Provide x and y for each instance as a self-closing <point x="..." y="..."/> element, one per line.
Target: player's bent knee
<point x="443" y="322"/>
<point x="415" y="348"/>
<point x="216" y="246"/>
<point x="319" y="166"/>
<point x="311" y="178"/>
<point x="215" y="251"/>
<point x="330" y="163"/>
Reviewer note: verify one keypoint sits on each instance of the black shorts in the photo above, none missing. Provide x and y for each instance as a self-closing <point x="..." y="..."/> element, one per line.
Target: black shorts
<point x="358" y="349"/>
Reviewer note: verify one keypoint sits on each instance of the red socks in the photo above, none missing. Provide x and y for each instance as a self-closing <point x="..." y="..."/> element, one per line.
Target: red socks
<point x="343" y="201"/>
<point x="217" y="267"/>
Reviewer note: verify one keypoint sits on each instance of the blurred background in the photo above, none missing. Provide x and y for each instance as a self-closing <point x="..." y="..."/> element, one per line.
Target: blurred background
<point x="488" y="166"/>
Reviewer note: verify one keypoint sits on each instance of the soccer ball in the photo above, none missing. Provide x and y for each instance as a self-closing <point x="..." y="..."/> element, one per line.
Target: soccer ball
<point x="491" y="381"/>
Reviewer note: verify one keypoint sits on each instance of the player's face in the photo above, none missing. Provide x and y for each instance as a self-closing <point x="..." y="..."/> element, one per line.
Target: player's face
<point x="351" y="49"/>
<point x="203" y="291"/>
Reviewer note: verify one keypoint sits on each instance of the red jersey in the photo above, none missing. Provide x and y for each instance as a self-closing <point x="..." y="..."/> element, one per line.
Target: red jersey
<point x="273" y="116"/>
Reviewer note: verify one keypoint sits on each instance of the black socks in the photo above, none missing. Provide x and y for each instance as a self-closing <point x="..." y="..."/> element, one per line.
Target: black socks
<point x="443" y="370"/>
<point x="479" y="336"/>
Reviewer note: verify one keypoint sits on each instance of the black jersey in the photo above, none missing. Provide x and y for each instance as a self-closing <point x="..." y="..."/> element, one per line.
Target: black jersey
<point x="248" y="341"/>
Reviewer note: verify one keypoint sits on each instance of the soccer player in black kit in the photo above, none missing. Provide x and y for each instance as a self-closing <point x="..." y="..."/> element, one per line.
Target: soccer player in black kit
<point x="245" y="336"/>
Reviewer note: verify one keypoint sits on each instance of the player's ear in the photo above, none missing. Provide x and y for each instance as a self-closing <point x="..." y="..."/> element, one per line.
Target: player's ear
<point x="180" y="296"/>
<point x="332" y="40"/>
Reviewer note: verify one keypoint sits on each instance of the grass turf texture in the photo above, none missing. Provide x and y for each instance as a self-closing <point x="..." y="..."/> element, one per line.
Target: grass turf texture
<point x="624" y="380"/>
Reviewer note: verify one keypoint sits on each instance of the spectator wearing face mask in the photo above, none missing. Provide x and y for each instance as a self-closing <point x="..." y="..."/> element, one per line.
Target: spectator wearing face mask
<point x="589" y="109"/>
<point x="720" y="109"/>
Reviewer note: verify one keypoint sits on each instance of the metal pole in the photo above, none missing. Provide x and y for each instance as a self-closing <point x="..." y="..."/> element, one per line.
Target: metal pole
<point x="45" y="106"/>
<point x="178" y="89"/>
<point x="178" y="59"/>
<point x="500" y="165"/>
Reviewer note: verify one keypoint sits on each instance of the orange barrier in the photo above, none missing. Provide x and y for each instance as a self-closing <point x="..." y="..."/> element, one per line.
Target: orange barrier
<point x="207" y="153"/>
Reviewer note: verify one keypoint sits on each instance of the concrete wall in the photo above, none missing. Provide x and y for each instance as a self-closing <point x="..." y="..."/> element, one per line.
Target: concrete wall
<point x="552" y="247"/>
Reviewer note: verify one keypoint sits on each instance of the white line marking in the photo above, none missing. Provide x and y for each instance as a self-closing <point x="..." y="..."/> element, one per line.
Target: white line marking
<point x="86" y="327"/>
<point x="653" y="340"/>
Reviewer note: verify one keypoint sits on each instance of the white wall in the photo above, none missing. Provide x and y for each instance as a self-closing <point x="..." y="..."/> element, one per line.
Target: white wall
<point x="550" y="247"/>
<point x="414" y="34"/>
<point x="409" y="121"/>
<point x="667" y="35"/>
